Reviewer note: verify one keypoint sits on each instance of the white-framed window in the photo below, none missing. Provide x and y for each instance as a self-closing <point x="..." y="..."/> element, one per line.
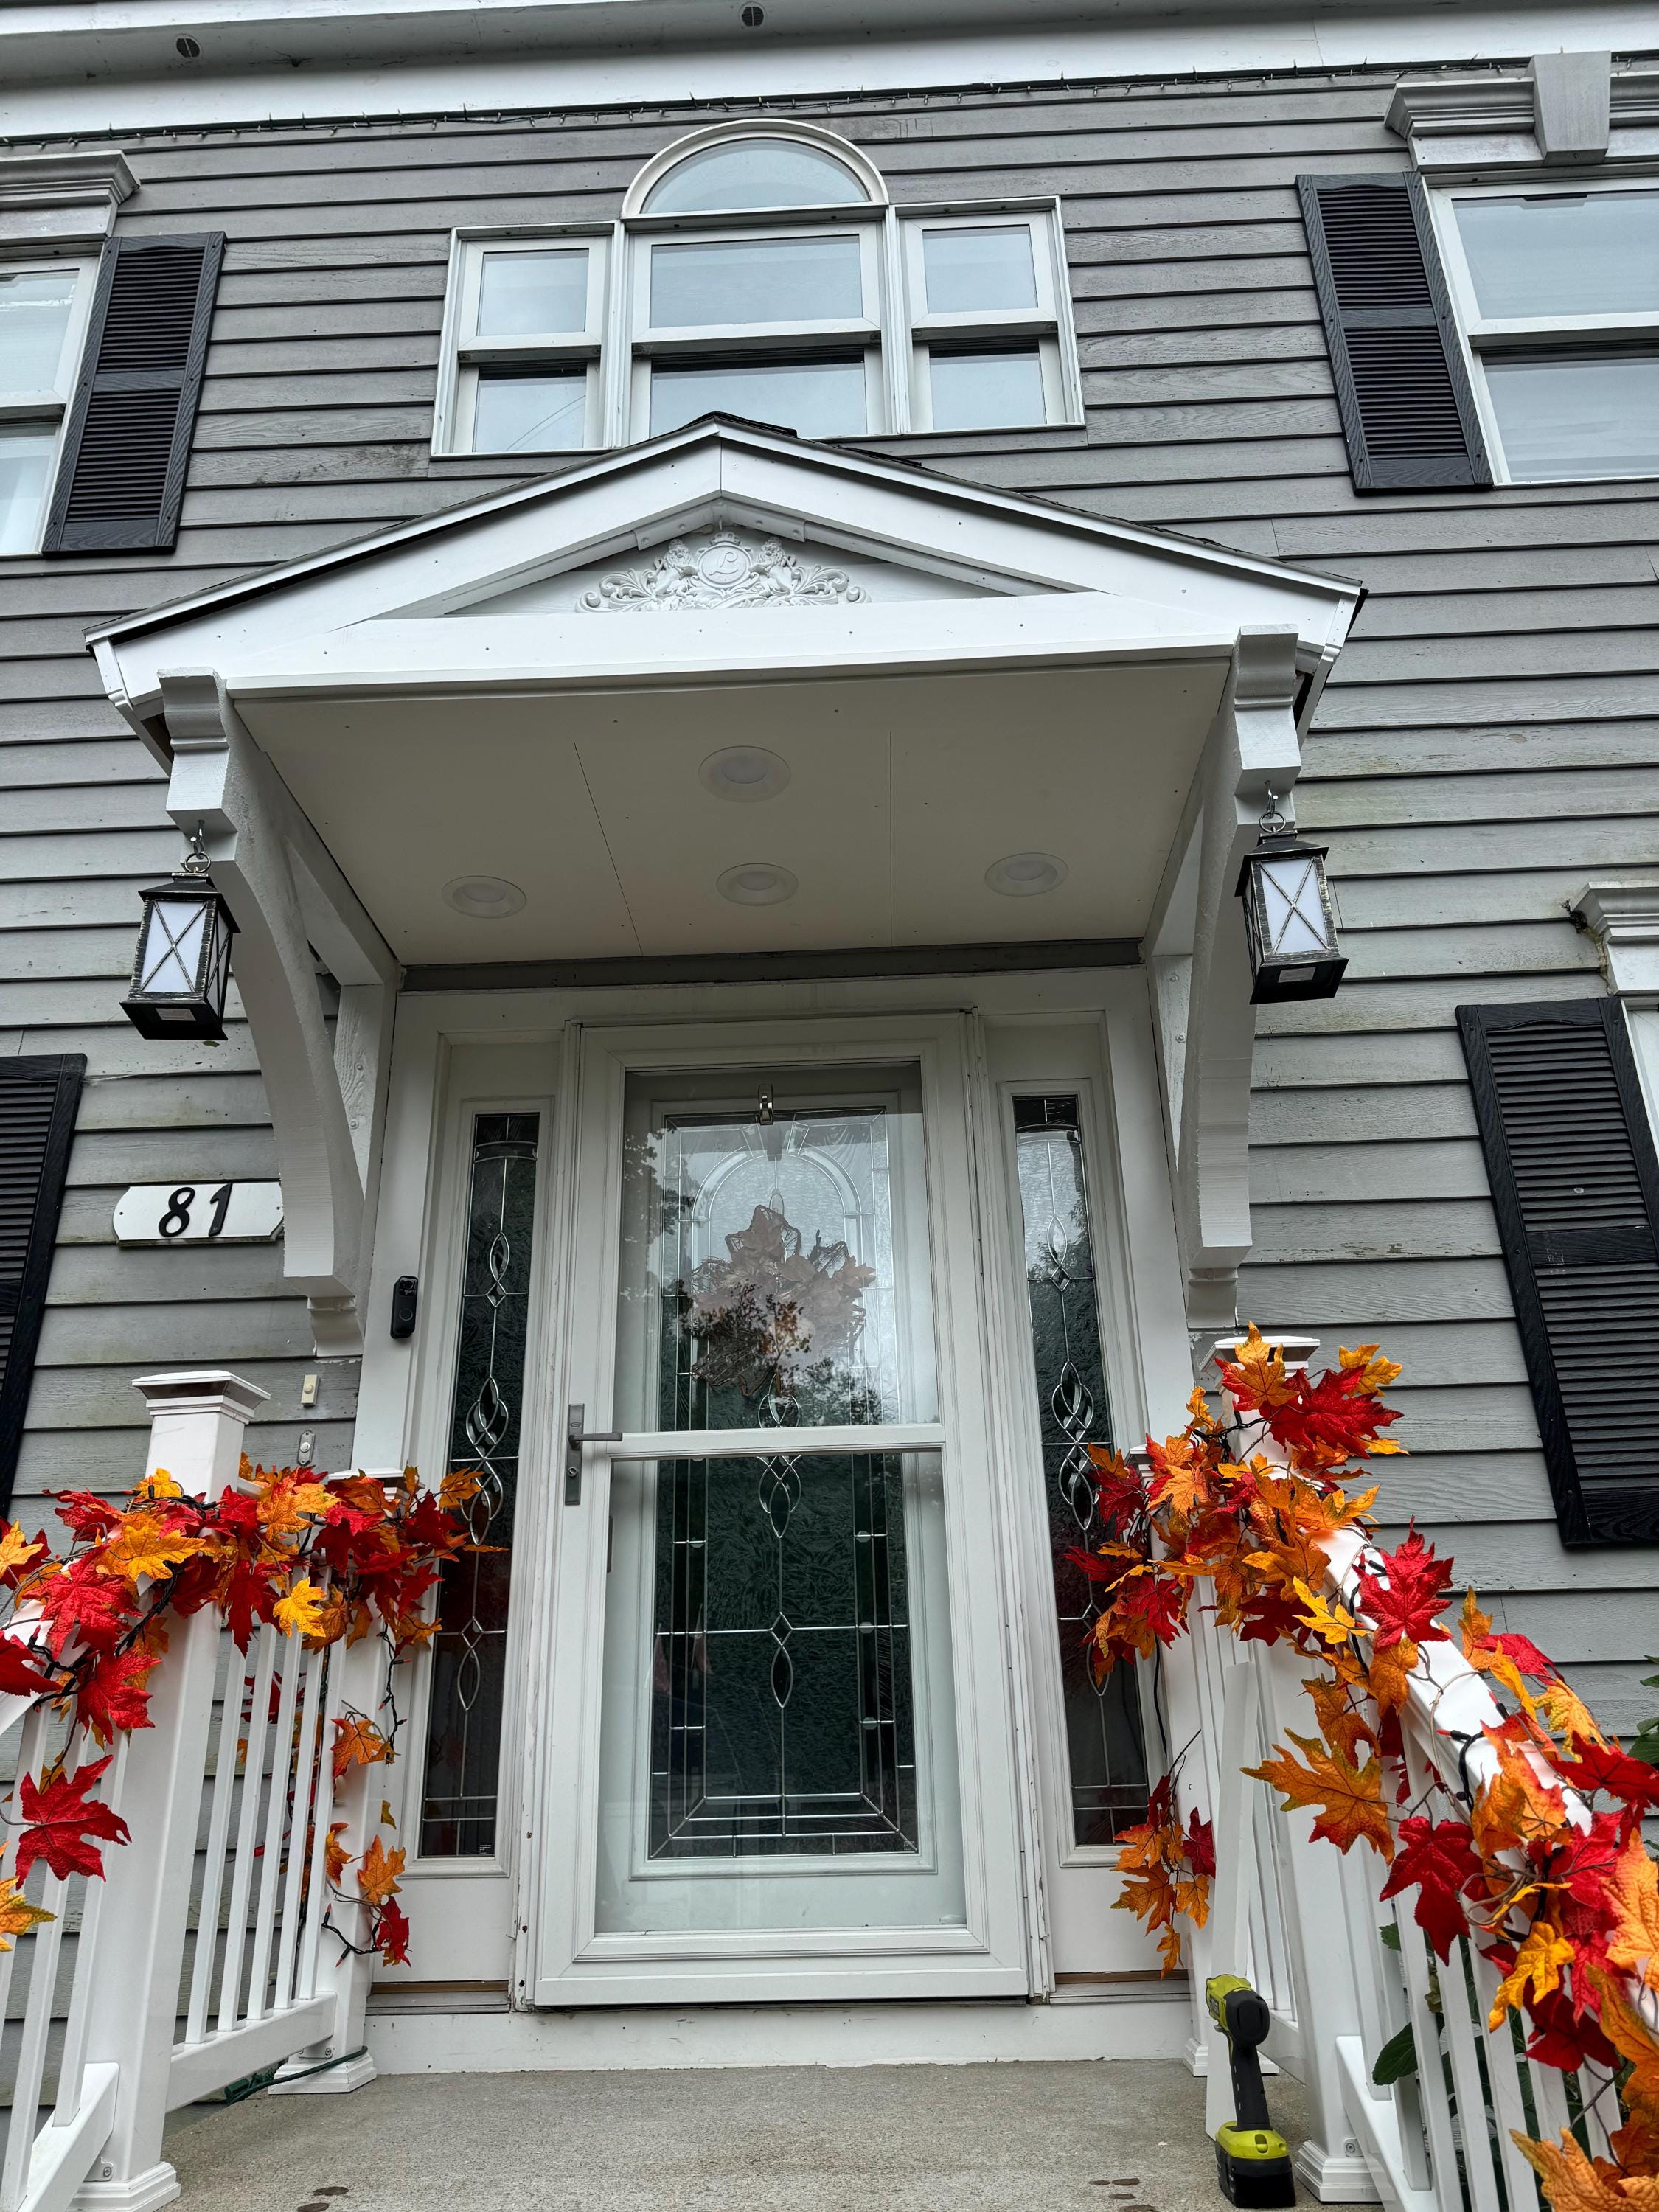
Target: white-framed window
<point x="43" y="320"/>
<point x="758" y="270"/>
<point x="1556" y="292"/>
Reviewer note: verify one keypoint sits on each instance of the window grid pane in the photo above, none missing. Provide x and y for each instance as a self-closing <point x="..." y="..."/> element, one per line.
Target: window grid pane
<point x="760" y="172"/>
<point x="1562" y="254"/>
<point x="1573" y="414"/>
<point x="757" y="280"/>
<point x="34" y="312"/>
<point x="987" y="391"/>
<point x="979" y="271"/>
<point x="532" y="295"/>
<point x="817" y="398"/>
<point x="1102" y="1714"/>
<point x="25" y="466"/>
<point x="543" y="411"/>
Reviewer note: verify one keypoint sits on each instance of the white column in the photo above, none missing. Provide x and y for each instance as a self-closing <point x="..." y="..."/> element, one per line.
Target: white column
<point x="196" y="1423"/>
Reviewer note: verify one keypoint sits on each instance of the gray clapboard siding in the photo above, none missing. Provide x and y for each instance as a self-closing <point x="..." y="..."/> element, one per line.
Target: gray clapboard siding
<point x="1486" y="743"/>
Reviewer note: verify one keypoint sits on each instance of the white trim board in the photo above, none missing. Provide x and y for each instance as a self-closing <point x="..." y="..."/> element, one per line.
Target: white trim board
<point x="86" y="67"/>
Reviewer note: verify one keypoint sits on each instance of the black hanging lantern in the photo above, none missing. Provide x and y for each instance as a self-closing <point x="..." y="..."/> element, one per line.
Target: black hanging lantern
<point x="183" y="968"/>
<point x="1288" y="920"/>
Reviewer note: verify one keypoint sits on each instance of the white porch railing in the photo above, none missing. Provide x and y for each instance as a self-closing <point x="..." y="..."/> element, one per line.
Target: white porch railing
<point x="1346" y="1973"/>
<point x="202" y="1958"/>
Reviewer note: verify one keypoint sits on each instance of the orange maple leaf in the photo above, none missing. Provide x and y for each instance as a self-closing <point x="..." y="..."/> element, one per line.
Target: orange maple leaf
<point x="377" y="1876"/>
<point x="1350" y="1795"/>
<point x="1632" y="1892"/>
<point x="1570" y="2182"/>
<point x="336" y="1856"/>
<point x="1390" y="1674"/>
<point x="358" y="1742"/>
<point x="1343" y="1726"/>
<point x="146" y="1546"/>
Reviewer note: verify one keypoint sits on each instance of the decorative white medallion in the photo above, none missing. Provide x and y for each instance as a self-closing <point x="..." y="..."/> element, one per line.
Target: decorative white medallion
<point x="723" y="572"/>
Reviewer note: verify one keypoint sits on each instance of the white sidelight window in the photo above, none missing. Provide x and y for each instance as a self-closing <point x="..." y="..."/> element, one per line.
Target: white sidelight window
<point x="1556" y="292"/>
<point x="758" y="270"/>
<point x="43" y="317"/>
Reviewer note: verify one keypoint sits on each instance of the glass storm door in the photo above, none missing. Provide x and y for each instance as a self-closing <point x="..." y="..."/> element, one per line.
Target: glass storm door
<point x="775" y="1593"/>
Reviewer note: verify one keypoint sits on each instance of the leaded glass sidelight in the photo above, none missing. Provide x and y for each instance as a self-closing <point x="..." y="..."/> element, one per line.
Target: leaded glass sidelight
<point x="468" y="1651"/>
<point x="1103" y="1715"/>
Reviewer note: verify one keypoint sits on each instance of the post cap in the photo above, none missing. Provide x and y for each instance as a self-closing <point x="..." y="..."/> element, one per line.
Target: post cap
<point x="201" y="1391"/>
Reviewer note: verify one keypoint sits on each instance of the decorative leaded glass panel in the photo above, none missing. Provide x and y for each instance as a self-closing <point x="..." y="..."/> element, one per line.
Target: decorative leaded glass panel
<point x="1102" y="1718"/>
<point x="782" y="1715"/>
<point x="469" y="1652"/>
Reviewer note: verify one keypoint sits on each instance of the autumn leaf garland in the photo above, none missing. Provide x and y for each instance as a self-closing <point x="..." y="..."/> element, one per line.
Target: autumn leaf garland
<point x="1564" y="1902"/>
<point x="326" y="1561"/>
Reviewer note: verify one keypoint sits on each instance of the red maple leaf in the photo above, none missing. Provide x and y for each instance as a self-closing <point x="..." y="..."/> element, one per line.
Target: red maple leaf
<point x="1588" y="1858"/>
<point x="1566" y="2037"/>
<point x="1119" y="1492"/>
<point x="392" y="1933"/>
<point x="1439" y="1861"/>
<point x="84" y="1515"/>
<point x="1417" y="1588"/>
<point x="248" y="1596"/>
<point x="19" y="1670"/>
<point x="80" y="1602"/>
<point x="1600" y="1766"/>
<point x="1199" y="1840"/>
<point x="1333" y="1418"/>
<point x="112" y="1698"/>
<point x="1525" y="1653"/>
<point x="1268" y="1617"/>
<point x="61" y="1824"/>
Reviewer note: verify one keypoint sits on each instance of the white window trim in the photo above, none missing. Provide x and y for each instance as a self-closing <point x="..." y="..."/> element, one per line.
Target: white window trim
<point x="26" y="410"/>
<point x="1485" y="335"/>
<point x="621" y="345"/>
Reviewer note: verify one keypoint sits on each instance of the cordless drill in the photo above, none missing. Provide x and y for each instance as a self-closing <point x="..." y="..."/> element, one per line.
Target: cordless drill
<point x="1252" y="2159"/>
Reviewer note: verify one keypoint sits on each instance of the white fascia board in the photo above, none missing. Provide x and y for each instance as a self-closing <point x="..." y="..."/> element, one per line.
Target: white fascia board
<point x="493" y="654"/>
<point x="628" y="499"/>
<point x="88" y="65"/>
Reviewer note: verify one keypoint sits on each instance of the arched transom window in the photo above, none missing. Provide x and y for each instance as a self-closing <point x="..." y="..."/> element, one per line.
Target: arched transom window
<point x="759" y="269"/>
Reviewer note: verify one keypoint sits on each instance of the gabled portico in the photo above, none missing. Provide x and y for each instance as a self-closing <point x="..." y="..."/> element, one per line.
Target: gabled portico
<point x="524" y="690"/>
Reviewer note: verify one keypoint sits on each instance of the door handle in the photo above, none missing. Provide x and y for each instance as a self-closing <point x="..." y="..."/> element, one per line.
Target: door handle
<point x="575" y="1435"/>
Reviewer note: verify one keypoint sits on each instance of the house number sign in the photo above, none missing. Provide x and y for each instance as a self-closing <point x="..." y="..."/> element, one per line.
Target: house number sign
<point x="203" y="1213"/>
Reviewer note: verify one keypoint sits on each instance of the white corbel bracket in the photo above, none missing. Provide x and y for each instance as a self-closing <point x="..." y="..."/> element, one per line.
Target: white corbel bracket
<point x="1252" y="749"/>
<point x="287" y="896"/>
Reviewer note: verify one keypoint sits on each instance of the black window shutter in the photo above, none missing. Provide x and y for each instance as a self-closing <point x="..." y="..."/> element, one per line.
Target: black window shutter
<point x="1575" y="1182"/>
<point x="121" y="477"/>
<point x="38" y="1099"/>
<point x="1407" y="412"/>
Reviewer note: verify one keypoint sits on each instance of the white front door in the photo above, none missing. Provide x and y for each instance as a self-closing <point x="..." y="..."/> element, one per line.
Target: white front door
<point x="780" y="1757"/>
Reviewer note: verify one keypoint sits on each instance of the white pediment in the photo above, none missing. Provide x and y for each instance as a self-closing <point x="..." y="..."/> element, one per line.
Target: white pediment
<point x="731" y="567"/>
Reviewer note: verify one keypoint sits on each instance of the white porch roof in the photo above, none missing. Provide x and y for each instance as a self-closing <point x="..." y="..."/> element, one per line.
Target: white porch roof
<point x="526" y="687"/>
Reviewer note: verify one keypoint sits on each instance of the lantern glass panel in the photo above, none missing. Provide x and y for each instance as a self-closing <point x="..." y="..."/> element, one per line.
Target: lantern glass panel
<point x="1292" y="911"/>
<point x="173" y="946"/>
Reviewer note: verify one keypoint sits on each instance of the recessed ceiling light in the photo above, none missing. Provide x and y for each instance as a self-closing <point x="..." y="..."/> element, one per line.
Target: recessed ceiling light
<point x="490" y="898"/>
<point x="756" y="882"/>
<point x="745" y="773"/>
<point x="1025" y="875"/>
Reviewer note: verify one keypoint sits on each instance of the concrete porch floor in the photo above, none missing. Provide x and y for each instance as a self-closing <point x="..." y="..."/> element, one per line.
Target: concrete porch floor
<point x="1065" y="2137"/>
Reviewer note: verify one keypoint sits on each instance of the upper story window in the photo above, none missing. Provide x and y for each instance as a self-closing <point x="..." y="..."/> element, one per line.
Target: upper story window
<point x="758" y="270"/>
<point x="43" y="314"/>
<point x="1556" y="291"/>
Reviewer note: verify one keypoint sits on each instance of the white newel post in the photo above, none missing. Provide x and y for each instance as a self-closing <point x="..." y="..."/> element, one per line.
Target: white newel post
<point x="197" y="1423"/>
<point x="1330" y="2162"/>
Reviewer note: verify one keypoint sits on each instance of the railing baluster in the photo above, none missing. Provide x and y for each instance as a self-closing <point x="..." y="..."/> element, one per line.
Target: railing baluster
<point x="218" y="1842"/>
<point x="317" y="1889"/>
<point x="276" y="1817"/>
<point x="307" y="1805"/>
<point x="1464" y="2036"/>
<point x="253" y="1765"/>
<point x="72" y="2066"/>
<point x="32" y="2056"/>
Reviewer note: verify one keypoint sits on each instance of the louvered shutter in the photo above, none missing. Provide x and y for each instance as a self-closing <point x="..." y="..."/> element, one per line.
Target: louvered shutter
<point x="1407" y="412"/>
<point x="38" y="1099"/>
<point x="127" y="446"/>
<point x="1574" y="1181"/>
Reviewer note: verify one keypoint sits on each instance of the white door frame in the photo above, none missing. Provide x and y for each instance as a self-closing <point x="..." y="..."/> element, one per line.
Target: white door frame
<point x="1133" y="1210"/>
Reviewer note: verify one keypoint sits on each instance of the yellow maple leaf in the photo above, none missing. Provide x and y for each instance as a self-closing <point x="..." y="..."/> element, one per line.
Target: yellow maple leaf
<point x="1537" y="1965"/>
<point x="17" y="1915"/>
<point x="158" y="1484"/>
<point x="1567" y="1713"/>
<point x="304" y="1611"/>
<point x="1334" y="1622"/>
<point x="16" y="1550"/>
<point x="377" y="1875"/>
<point x="145" y="1547"/>
<point x="1633" y="1892"/>
<point x="459" y="1487"/>
<point x="1571" y="2183"/>
<point x="1262" y="1365"/>
<point x="1375" y="1373"/>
